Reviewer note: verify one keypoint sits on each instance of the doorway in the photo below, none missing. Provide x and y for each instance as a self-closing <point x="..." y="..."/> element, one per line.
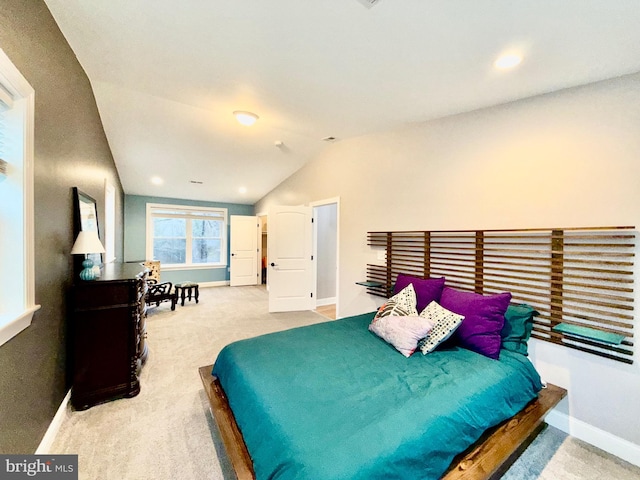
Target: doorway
<point x="325" y="251"/>
<point x="262" y="248"/>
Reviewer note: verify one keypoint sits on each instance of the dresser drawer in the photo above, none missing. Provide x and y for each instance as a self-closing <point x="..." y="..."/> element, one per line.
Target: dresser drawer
<point x="108" y="335"/>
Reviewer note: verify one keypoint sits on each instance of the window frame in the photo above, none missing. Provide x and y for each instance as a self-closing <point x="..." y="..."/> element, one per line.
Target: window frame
<point x="190" y="213"/>
<point x="109" y="221"/>
<point x="12" y="323"/>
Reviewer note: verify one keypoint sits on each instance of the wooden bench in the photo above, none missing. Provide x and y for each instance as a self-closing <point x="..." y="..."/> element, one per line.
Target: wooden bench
<point x="488" y="458"/>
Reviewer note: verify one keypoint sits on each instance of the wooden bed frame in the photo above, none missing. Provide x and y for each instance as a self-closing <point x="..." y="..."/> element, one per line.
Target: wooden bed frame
<point x="488" y="458"/>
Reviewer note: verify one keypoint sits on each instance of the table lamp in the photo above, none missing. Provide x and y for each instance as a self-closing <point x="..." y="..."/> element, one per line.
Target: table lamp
<point x="87" y="242"/>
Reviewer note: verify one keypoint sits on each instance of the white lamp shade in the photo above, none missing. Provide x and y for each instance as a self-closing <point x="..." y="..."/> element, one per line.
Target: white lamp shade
<point x="87" y="242"/>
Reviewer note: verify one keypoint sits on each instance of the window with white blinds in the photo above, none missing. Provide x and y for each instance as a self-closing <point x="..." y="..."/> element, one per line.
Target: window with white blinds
<point x="185" y="236"/>
<point x="17" y="278"/>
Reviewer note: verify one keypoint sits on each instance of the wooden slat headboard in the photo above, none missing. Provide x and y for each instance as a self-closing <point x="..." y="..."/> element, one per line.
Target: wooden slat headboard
<point x="575" y="276"/>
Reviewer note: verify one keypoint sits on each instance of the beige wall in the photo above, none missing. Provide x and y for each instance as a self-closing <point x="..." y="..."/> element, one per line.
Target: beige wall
<point x="571" y="158"/>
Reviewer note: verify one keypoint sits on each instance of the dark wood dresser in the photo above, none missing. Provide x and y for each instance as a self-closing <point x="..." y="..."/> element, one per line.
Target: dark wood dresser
<point x="108" y="335"/>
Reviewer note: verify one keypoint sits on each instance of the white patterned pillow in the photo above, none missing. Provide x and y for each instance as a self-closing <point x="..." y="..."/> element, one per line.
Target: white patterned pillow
<point x="445" y="323"/>
<point x="403" y="332"/>
<point x="406" y="299"/>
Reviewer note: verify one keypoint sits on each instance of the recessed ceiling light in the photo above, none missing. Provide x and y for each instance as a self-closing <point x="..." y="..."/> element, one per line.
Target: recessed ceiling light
<point x="242" y="189"/>
<point x="157" y="180"/>
<point x="245" y="118"/>
<point x="507" y="61"/>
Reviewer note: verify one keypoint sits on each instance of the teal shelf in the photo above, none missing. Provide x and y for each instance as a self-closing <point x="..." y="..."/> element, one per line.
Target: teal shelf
<point x="370" y="284"/>
<point x="590" y="333"/>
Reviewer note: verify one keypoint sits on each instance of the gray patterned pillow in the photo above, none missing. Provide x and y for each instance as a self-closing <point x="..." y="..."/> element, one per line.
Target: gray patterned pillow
<point x="390" y="309"/>
<point x="445" y="323"/>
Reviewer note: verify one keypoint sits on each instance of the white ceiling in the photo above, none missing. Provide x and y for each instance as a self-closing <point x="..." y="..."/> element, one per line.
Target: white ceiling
<point x="168" y="74"/>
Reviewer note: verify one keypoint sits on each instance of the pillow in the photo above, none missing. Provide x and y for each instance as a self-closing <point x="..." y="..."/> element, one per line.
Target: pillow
<point x="402" y="332"/>
<point x="427" y="289"/>
<point x="445" y="323"/>
<point x="483" y="319"/>
<point x="518" y="323"/>
<point x="406" y="299"/>
<point x="390" y="309"/>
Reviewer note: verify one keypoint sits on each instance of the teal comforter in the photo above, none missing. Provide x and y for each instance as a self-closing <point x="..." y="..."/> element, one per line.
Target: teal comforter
<point x="333" y="401"/>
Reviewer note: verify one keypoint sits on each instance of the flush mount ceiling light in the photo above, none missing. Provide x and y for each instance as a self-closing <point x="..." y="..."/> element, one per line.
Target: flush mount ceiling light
<point x="507" y="61"/>
<point x="245" y="118"/>
<point x="157" y="180"/>
<point x="242" y="189"/>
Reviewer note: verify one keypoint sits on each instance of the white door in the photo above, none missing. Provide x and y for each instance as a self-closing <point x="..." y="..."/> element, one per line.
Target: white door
<point x="289" y="264"/>
<point x="244" y="251"/>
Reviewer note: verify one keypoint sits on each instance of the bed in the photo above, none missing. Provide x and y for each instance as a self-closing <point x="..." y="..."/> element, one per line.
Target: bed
<point x="334" y="401"/>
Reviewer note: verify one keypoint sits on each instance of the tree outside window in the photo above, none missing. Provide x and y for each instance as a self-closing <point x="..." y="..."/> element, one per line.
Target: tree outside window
<point x="187" y="235"/>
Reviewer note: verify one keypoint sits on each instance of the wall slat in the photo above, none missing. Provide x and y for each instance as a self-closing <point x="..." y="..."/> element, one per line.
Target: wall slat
<point x="578" y="276"/>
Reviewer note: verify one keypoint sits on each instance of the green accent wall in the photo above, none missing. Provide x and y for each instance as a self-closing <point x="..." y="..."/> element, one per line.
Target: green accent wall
<point x="135" y="221"/>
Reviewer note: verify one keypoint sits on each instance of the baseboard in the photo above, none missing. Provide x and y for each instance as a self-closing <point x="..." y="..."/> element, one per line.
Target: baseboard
<point x="321" y="302"/>
<point x="621" y="448"/>
<point x="221" y="283"/>
<point x="51" y="433"/>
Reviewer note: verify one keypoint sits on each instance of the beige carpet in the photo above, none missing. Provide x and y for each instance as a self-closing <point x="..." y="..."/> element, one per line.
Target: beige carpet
<point x="166" y="432"/>
<point x="577" y="460"/>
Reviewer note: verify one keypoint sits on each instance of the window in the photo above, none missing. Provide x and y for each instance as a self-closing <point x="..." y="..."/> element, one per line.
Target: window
<point x="17" y="294"/>
<point x="109" y="221"/>
<point x="183" y="236"/>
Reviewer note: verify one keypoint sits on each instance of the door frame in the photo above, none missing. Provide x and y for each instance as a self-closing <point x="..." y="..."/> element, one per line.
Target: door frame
<point x="313" y="205"/>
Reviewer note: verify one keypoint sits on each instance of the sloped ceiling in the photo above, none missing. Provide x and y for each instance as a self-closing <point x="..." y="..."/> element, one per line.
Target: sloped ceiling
<point x="167" y="75"/>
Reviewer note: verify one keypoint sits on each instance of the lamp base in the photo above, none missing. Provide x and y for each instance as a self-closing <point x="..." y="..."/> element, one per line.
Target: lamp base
<point x="87" y="273"/>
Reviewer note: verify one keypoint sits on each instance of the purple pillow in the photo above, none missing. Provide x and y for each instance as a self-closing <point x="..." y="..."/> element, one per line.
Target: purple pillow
<point x="427" y="290"/>
<point x="483" y="319"/>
